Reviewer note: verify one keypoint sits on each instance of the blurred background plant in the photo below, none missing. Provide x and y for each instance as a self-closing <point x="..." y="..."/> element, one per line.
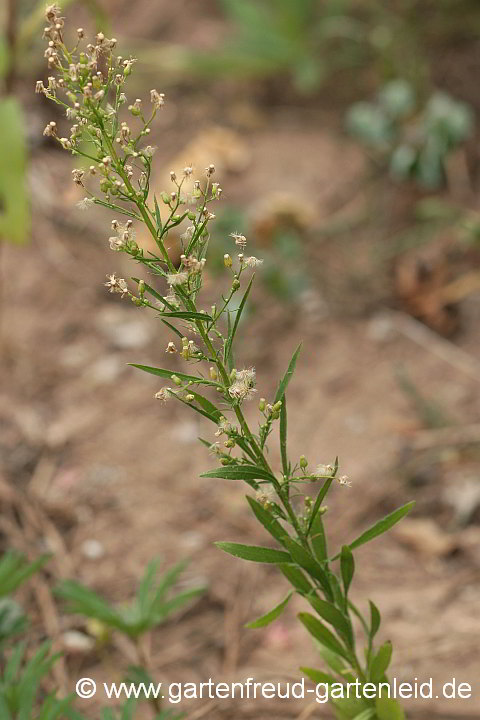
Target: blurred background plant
<point x="413" y="142"/>
<point x="25" y="674"/>
<point x="20" y="23"/>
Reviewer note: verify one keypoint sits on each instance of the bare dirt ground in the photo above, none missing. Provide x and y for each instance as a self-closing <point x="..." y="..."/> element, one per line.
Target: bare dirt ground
<point x="88" y="454"/>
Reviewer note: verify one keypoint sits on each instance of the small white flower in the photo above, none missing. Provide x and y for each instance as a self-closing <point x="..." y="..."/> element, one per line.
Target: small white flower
<point x="344" y="480"/>
<point x="164" y="394"/>
<point x="157" y="99"/>
<point x="177" y="278"/>
<point x="85" y="203"/>
<point x="240" y="240"/>
<point x="171" y="348"/>
<point x="116" y="285"/>
<point x="264" y="497"/>
<point x="243" y="387"/>
<point x="324" y="471"/>
<point x="252" y="262"/>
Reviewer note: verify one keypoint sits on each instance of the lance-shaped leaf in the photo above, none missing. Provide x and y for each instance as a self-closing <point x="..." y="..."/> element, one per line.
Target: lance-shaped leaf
<point x="270" y="616"/>
<point x="388" y="709"/>
<point x="347" y="567"/>
<point x="374" y="619"/>
<point x="308" y="563"/>
<point x="187" y="315"/>
<point x="380" y="527"/>
<point x="253" y="553"/>
<point x="239" y="472"/>
<point x="296" y="578"/>
<point x="332" y="615"/>
<point x="270" y="523"/>
<point x="233" y="330"/>
<point x="380" y="662"/>
<point x="288" y="375"/>
<point x="318" y="676"/>
<point x="168" y="374"/>
<point x="321" y="633"/>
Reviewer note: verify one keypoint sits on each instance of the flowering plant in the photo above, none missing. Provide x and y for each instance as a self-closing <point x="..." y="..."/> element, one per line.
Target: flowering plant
<point x="88" y="83"/>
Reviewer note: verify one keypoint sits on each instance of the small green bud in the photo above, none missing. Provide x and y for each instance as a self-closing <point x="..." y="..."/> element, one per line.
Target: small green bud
<point x="213" y="373"/>
<point x="227" y="260"/>
<point x="141" y="287"/>
<point x="275" y="415"/>
<point x="176" y="218"/>
<point x="230" y="443"/>
<point x="236" y="284"/>
<point x="191" y="215"/>
<point x="261" y="404"/>
<point x="190" y="398"/>
<point x="136" y="301"/>
<point x="277" y="407"/>
<point x="225" y="461"/>
<point x="165" y="197"/>
<point x="303" y="462"/>
<point x="176" y="380"/>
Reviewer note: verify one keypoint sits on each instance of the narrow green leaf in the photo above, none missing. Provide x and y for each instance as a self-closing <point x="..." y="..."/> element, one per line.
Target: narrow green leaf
<point x="229" y="360"/>
<point x="212" y="412"/>
<point x="380" y="662"/>
<point x="318" y="538"/>
<point x="332" y="615"/>
<point x="321" y="496"/>
<point x="232" y="332"/>
<point x="380" y="527"/>
<point x="388" y="709"/>
<point x="288" y="375"/>
<point x="238" y="472"/>
<point x="254" y="553"/>
<point x="375" y="619"/>
<point x="347" y="567"/>
<point x="270" y="523"/>
<point x="308" y="563"/>
<point x="336" y="663"/>
<point x="270" y="616"/>
<point x="318" y="676"/>
<point x="296" y="578"/>
<point x="158" y="217"/>
<point x="318" y="630"/>
<point x="283" y="436"/>
<point x="187" y="315"/>
<point x="167" y="374"/>
<point x="367" y="714"/>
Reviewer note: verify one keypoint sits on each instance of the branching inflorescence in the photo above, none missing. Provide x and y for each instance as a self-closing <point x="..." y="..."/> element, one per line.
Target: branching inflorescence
<point x="88" y="83"/>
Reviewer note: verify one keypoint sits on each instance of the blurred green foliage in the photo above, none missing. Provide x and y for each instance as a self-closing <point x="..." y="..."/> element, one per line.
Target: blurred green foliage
<point x="20" y="23"/>
<point x="151" y="606"/>
<point x="414" y="141"/>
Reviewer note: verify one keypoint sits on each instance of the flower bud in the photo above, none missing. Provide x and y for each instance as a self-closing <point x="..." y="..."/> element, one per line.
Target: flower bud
<point x="303" y="462"/>
<point x="213" y="373"/>
<point x="236" y="284"/>
<point x="141" y="287"/>
<point x="176" y="380"/>
<point x="261" y="404"/>
<point x="190" y="398"/>
<point x="227" y="260"/>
